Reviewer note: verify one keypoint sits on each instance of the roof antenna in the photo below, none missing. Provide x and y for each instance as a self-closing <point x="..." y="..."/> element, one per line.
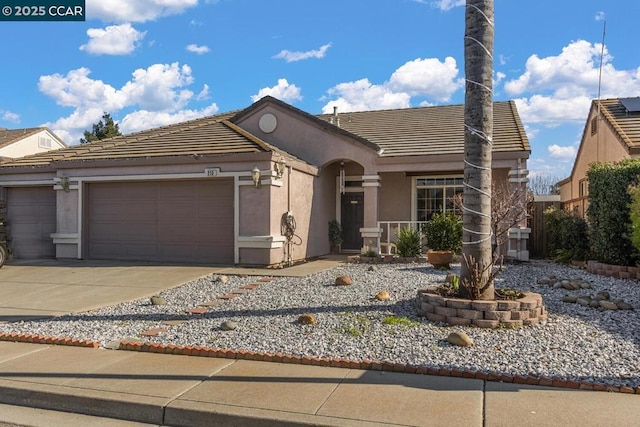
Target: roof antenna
<point x="604" y="31"/>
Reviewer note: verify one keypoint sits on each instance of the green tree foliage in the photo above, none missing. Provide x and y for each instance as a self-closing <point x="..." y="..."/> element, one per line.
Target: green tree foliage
<point x="609" y="213"/>
<point x="105" y="128"/>
<point x="568" y="237"/>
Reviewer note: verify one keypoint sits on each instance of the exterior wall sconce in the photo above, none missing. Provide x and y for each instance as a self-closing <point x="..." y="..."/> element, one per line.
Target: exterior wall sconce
<point x="256" y="176"/>
<point x="279" y="167"/>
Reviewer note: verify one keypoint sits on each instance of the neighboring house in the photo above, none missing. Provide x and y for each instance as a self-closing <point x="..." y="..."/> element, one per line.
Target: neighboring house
<point x="23" y="142"/>
<point x="255" y="187"/>
<point x="611" y="134"/>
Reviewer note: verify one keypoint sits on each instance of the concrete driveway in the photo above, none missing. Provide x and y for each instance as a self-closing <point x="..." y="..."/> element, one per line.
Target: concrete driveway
<point x="44" y="288"/>
<point x="37" y="289"/>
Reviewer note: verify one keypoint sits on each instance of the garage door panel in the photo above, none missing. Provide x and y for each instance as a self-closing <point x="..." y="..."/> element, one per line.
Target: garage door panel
<point x="180" y="221"/>
<point x="32" y="214"/>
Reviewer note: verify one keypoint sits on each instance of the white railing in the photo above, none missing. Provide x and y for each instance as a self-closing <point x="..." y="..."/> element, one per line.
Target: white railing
<point x="389" y="236"/>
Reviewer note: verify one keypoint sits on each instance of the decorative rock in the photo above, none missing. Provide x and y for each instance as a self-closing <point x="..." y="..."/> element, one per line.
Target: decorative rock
<point x="583" y="301"/>
<point x="307" y="319"/>
<point x="222" y="279"/>
<point x="594" y="303"/>
<point x="343" y="281"/>
<point x="604" y="294"/>
<point x="544" y="281"/>
<point x="624" y="306"/>
<point x="570" y="299"/>
<point x="459" y="338"/>
<point x="228" y="325"/>
<point x="585" y="285"/>
<point x="608" y="305"/>
<point x="557" y="285"/>
<point x="382" y="296"/>
<point x="372" y="268"/>
<point x="158" y="300"/>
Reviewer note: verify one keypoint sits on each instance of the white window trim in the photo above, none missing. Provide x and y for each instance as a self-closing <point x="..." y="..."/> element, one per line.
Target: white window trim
<point x="414" y="190"/>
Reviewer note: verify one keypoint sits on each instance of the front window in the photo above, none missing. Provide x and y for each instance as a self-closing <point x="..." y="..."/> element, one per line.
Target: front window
<point x="435" y="195"/>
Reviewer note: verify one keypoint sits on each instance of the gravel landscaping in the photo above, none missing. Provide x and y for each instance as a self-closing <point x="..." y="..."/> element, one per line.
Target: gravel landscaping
<point x="577" y="342"/>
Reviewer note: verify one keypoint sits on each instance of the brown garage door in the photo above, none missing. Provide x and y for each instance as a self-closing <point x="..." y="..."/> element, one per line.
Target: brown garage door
<point x="32" y="217"/>
<point x="170" y="221"/>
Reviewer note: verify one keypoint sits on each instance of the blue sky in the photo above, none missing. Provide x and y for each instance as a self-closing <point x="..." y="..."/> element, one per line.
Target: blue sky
<point x="155" y="62"/>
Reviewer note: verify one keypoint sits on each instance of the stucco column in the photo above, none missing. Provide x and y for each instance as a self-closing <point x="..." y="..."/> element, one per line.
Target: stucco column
<point x="371" y="232"/>
<point x="519" y="236"/>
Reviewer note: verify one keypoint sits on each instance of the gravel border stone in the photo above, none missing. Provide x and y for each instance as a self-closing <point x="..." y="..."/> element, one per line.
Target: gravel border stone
<point x="577" y="344"/>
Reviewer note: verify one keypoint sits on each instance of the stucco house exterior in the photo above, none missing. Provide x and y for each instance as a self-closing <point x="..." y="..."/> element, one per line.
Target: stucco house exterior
<point x="23" y="142"/>
<point x="253" y="187"/>
<point x="611" y="134"/>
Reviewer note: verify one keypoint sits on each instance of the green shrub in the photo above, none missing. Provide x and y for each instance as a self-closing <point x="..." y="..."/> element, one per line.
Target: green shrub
<point x="409" y="243"/>
<point x="635" y="217"/>
<point x="444" y="232"/>
<point x="609" y="213"/>
<point x="567" y="235"/>
<point x="335" y="233"/>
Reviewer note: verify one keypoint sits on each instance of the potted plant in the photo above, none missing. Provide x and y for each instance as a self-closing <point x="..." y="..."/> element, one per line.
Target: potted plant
<point x="444" y="238"/>
<point x="335" y="236"/>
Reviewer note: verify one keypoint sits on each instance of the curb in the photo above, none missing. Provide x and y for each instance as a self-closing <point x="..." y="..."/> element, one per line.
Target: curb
<point x="373" y="365"/>
<point x="335" y="362"/>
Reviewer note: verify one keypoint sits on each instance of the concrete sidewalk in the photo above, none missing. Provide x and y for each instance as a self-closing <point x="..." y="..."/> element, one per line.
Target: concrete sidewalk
<point x="196" y="391"/>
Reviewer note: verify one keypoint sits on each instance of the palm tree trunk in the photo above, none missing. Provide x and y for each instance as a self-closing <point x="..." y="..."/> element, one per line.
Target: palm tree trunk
<point x="478" y="117"/>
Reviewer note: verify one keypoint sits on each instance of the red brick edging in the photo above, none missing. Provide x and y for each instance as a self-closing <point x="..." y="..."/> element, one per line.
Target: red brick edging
<point x="335" y="362"/>
<point x="44" y="339"/>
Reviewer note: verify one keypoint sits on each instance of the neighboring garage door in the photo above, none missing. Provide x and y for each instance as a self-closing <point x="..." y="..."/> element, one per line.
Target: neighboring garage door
<point x="168" y="221"/>
<point x="32" y="217"/>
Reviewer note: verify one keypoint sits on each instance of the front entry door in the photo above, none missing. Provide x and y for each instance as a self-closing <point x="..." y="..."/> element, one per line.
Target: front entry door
<point x="352" y="218"/>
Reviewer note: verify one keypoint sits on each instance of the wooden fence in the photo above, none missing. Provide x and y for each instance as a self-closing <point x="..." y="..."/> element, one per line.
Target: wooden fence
<point x="538" y="237"/>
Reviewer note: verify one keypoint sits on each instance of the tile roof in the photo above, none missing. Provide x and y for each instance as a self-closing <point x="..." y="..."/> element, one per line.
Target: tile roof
<point x="625" y="124"/>
<point x="431" y="130"/>
<point x="9" y="136"/>
<point x="404" y="132"/>
<point x="213" y="135"/>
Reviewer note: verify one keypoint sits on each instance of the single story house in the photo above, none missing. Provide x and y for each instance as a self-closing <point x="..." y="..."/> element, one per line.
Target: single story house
<point x="23" y="142"/>
<point x="611" y="134"/>
<point x="253" y="187"/>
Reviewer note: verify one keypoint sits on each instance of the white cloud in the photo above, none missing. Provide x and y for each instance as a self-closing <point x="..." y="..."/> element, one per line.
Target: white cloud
<point x="361" y="95"/>
<point x="283" y="91"/>
<point x="198" y="49"/>
<point x="159" y="91"/>
<point x="76" y="89"/>
<point x="143" y="119"/>
<point x="290" y="56"/>
<point x="566" y="153"/>
<point x="157" y="87"/>
<point x="204" y="93"/>
<point x="113" y="40"/>
<point x="564" y="85"/>
<point x="9" y="116"/>
<point x="446" y="4"/>
<point x="553" y="111"/>
<point x="135" y="11"/>
<point x="428" y="77"/>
